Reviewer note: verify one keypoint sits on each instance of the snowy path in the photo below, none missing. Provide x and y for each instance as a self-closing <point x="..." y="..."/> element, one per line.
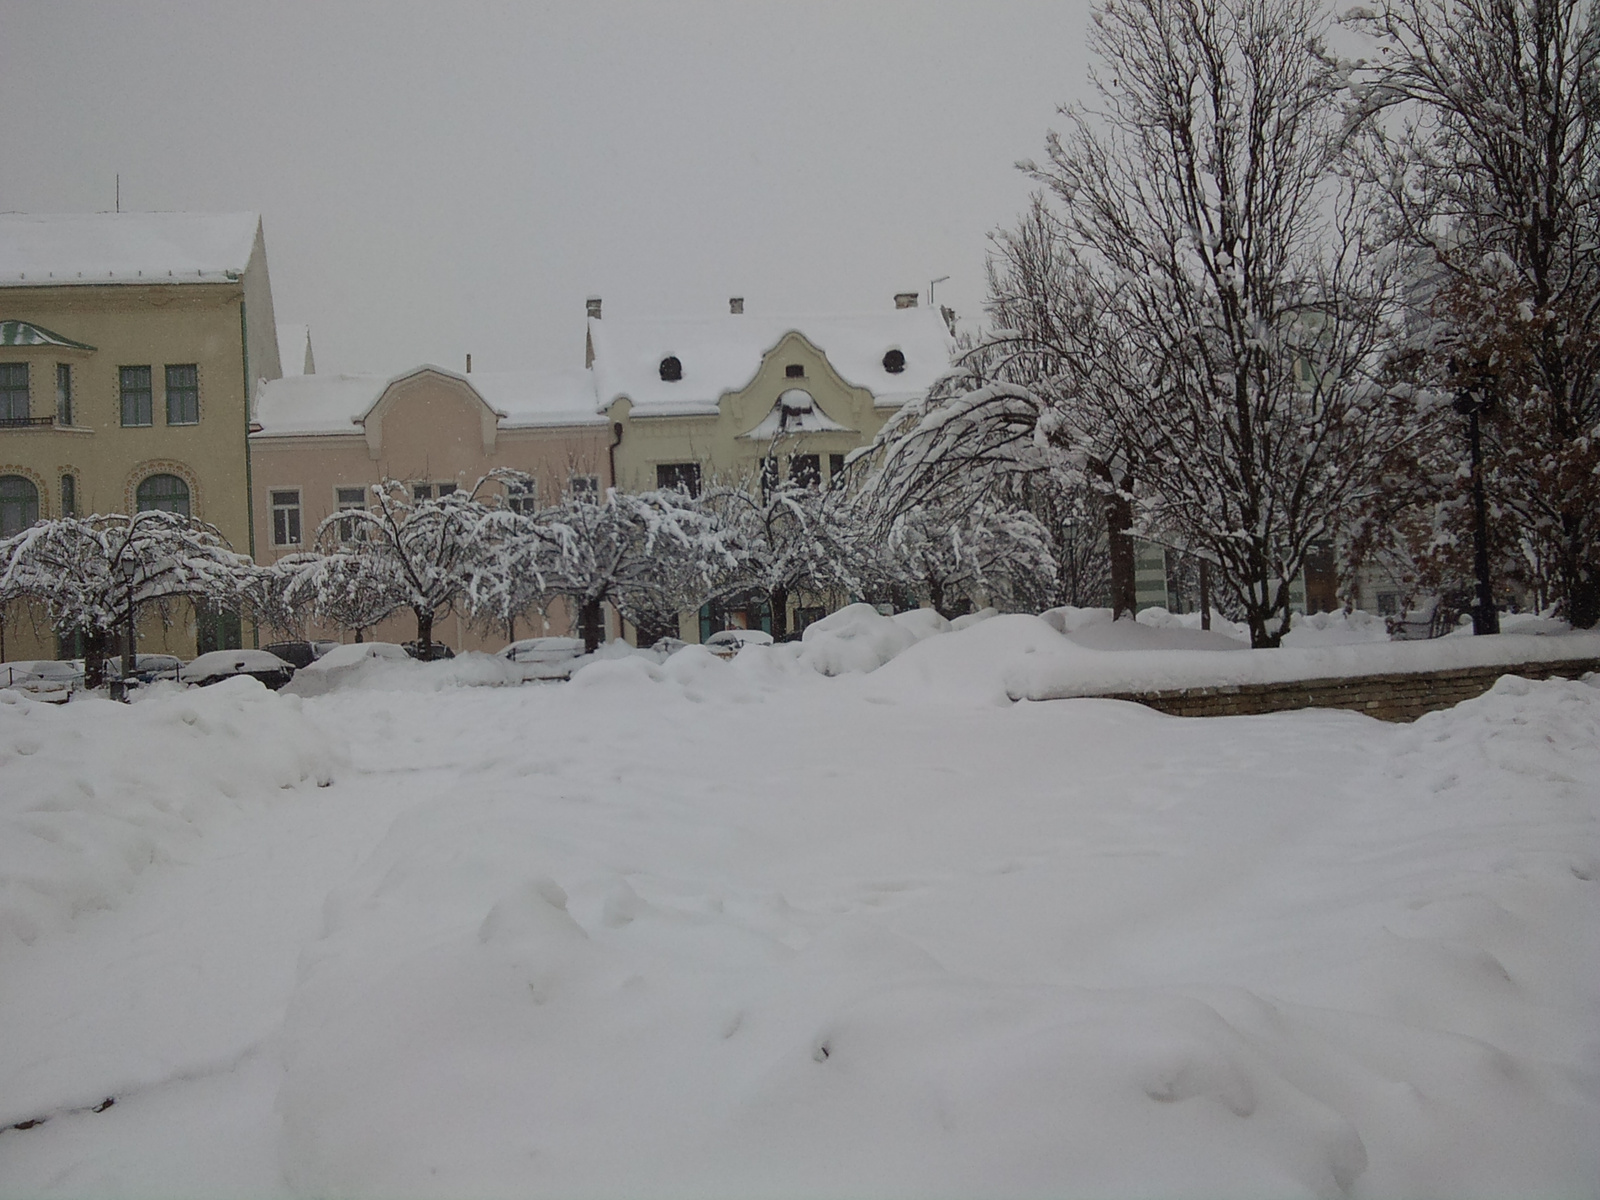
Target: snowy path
<point x="760" y="935"/>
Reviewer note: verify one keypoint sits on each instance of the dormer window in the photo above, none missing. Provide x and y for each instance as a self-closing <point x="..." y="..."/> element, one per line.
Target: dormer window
<point x="671" y="369"/>
<point x="894" y="362"/>
<point x="795" y="371"/>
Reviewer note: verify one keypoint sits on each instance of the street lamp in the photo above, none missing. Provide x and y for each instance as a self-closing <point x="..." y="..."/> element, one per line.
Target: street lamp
<point x="1475" y="398"/>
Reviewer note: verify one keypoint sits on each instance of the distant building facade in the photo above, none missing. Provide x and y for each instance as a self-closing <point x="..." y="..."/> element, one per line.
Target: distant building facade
<point x="129" y="347"/>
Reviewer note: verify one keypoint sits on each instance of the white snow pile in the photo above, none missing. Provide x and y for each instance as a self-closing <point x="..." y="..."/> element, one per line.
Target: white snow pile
<point x="384" y="666"/>
<point x="92" y="793"/>
<point x="860" y="638"/>
<point x="1040" y="950"/>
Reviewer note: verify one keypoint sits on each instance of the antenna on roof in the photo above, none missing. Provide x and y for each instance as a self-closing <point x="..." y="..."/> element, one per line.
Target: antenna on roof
<point x="119" y="191"/>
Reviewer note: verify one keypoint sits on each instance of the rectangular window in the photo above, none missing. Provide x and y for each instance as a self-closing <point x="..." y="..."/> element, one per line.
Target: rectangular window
<point x="685" y="477"/>
<point x="14" y="392"/>
<point x="137" y="398"/>
<point x="349" y="498"/>
<point x="794" y="371"/>
<point x="422" y="491"/>
<point x="286" y="518"/>
<point x="69" y="496"/>
<point x="584" y="487"/>
<point x="523" y="497"/>
<point x="63" y="393"/>
<point x="183" y="394"/>
<point x="835" y="470"/>
<point x="805" y="470"/>
<point x="445" y="489"/>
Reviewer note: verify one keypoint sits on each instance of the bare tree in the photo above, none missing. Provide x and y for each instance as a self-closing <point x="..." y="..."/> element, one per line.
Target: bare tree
<point x="1483" y="134"/>
<point x="652" y="552"/>
<point x="788" y="539"/>
<point x="96" y="574"/>
<point x="1206" y="210"/>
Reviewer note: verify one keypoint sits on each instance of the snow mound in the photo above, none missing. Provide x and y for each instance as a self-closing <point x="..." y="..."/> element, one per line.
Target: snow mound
<point x="381" y="666"/>
<point x="860" y="638"/>
<point x="95" y="792"/>
<point x="968" y="664"/>
<point x="504" y="961"/>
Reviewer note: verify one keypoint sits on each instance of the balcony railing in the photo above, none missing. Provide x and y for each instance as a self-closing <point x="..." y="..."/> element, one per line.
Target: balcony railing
<point x="25" y="422"/>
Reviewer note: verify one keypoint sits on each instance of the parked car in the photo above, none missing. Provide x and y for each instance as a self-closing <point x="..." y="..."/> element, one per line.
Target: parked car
<point x="299" y="654"/>
<point x="545" y="657"/>
<point x="440" y="650"/>
<point x="729" y="642"/>
<point x="42" y="679"/>
<point x="147" y="668"/>
<point x="227" y="664"/>
<point x="668" y="646"/>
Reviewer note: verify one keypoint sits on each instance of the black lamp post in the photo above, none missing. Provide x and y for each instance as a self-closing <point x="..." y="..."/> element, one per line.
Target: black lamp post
<point x="1472" y="400"/>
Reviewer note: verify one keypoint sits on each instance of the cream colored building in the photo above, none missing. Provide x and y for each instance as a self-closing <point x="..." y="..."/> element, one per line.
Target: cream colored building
<point x="661" y="403"/>
<point x="129" y="345"/>
<point x="319" y="442"/>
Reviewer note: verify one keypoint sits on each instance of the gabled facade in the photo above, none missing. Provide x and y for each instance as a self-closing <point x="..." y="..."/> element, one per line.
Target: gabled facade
<point x="715" y="398"/>
<point x="129" y="346"/>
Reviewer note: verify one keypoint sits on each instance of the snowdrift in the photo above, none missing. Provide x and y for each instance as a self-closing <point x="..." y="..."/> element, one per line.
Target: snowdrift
<point x="95" y="792"/>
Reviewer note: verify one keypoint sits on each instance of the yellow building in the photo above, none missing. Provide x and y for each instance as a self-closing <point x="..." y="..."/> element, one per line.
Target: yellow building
<point x="129" y="345"/>
<point x="728" y="397"/>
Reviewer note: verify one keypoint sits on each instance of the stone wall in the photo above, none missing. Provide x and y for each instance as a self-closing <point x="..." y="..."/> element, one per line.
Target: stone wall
<point x="1396" y="697"/>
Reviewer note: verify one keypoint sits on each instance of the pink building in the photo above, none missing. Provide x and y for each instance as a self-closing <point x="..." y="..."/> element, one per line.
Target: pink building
<point x="318" y="443"/>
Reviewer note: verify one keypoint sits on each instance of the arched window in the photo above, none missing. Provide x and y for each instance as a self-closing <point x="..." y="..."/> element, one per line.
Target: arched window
<point x="671" y="369"/>
<point x="165" y="493"/>
<point x="19" y="504"/>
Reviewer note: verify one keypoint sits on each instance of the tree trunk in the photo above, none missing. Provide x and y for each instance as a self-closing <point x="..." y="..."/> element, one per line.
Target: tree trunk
<point x="359" y="637"/>
<point x="424" y="634"/>
<point x="778" y="602"/>
<point x="1119" y="519"/>
<point x="1205" y="594"/>
<point x="591" y="625"/>
<point x="94" y="658"/>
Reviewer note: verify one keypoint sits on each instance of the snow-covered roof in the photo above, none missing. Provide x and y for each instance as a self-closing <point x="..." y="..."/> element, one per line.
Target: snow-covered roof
<point x="26" y="333"/>
<point x="321" y="404"/>
<point x="85" y="248"/>
<point x="722" y="353"/>
<point x="294" y="349"/>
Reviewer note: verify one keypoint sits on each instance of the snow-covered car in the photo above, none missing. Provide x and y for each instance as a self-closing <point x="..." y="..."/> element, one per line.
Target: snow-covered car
<point x="147" y="668"/>
<point x="440" y="650"/>
<point x="668" y="646"/>
<point x="729" y="642"/>
<point x="545" y="657"/>
<point x="226" y="664"/>
<point x="42" y="679"/>
<point x="345" y="664"/>
<point x="299" y="654"/>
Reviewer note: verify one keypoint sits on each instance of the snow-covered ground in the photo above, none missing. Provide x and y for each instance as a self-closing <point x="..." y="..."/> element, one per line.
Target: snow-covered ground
<point x="691" y="927"/>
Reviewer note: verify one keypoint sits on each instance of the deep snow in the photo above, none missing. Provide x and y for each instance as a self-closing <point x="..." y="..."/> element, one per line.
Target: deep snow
<point x="705" y="928"/>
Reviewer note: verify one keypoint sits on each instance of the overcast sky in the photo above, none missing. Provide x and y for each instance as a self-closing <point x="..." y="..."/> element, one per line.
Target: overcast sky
<point x="450" y="178"/>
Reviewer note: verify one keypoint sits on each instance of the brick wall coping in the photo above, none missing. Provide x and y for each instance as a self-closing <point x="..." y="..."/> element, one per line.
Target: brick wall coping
<point x="1394" y="696"/>
<point x="1065" y="670"/>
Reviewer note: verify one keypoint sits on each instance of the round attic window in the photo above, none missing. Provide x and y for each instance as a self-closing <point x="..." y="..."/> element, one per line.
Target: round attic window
<point x="671" y="369"/>
<point x="894" y="362"/>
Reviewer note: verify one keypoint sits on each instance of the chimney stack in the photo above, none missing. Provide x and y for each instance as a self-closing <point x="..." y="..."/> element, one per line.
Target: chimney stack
<point x="592" y="308"/>
<point x="735" y="305"/>
<point x="469" y="364"/>
<point x="905" y="299"/>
